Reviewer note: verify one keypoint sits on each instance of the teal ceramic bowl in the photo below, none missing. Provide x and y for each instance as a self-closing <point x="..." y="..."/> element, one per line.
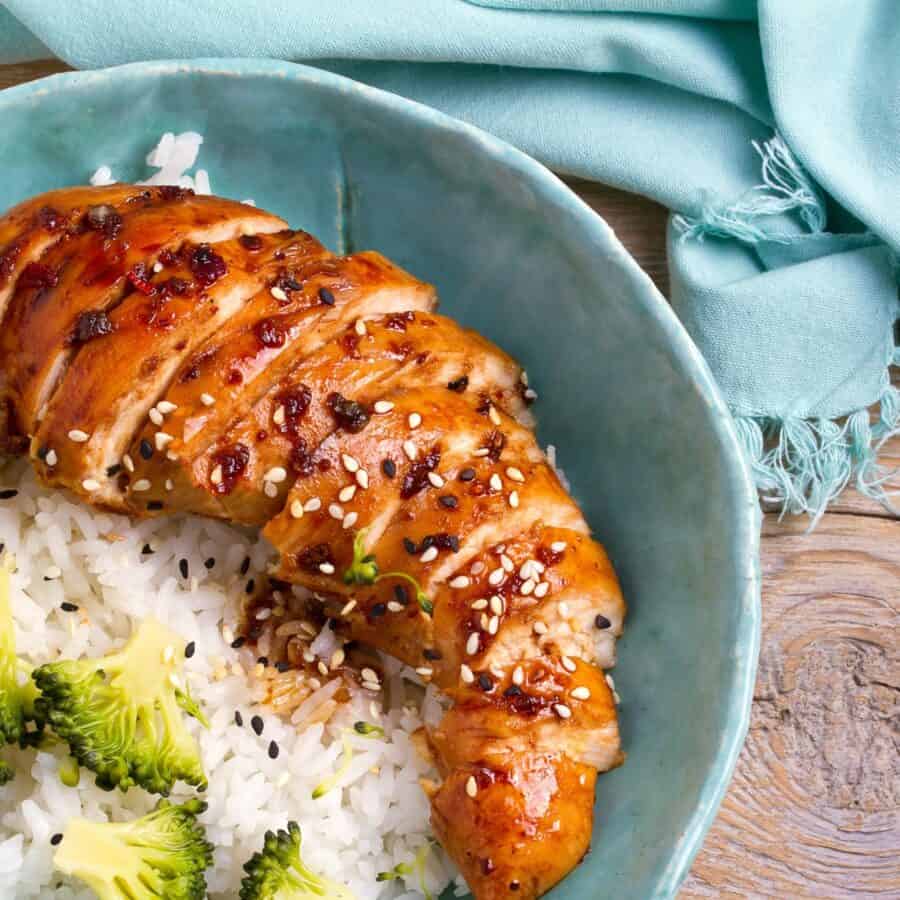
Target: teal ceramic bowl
<point x="641" y="429"/>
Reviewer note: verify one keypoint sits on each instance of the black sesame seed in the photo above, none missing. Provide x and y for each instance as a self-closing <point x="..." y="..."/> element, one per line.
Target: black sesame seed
<point x="56" y="839"/>
<point x="65" y="606"/>
<point x="154" y="505"/>
<point x="512" y="691"/>
<point x="42" y="453"/>
<point x="146" y="550"/>
<point x="209" y="563"/>
<point x="238" y="719"/>
<point x="263" y="660"/>
<point x="273" y="750"/>
<point x="401" y="594"/>
<point x="238" y="642"/>
<point x="114" y="469"/>
<point x="183" y="567"/>
<point x="485" y="682"/>
<point x="332" y="624"/>
<point x="251" y="584"/>
<point x="431" y="653"/>
<point x="514" y="885"/>
<point x="282" y="666"/>
<point x="409" y="545"/>
<point x="146" y="448"/>
<point x="379" y="609"/>
<point x="602" y="622"/>
<point x="448" y="501"/>
<point x="467" y="475"/>
<point x="190" y="649"/>
<point x="8" y="494"/>
<point x="256" y="723"/>
<point x="326" y="296"/>
<point x="245" y="565"/>
<point x="389" y="467"/>
<point x="427" y="542"/>
<point x="459" y="384"/>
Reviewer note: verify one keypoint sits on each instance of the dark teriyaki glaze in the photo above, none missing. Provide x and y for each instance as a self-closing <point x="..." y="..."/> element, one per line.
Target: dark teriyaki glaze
<point x="416" y="477"/>
<point x="349" y="415"/>
<point x="313" y="557"/>
<point x="90" y="324"/>
<point x="233" y="461"/>
<point x="206" y="265"/>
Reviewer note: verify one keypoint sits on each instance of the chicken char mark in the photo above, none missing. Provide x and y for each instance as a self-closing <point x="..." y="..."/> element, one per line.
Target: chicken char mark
<point x="190" y="353"/>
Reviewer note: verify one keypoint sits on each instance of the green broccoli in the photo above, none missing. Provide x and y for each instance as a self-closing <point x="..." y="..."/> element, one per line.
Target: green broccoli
<point x="278" y="872"/>
<point x="16" y="698"/>
<point x="121" y="715"/>
<point x="364" y="570"/>
<point x="162" y="854"/>
<point x="417" y="866"/>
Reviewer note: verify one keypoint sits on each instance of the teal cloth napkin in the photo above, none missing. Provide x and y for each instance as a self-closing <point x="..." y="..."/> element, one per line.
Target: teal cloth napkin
<point x="771" y="130"/>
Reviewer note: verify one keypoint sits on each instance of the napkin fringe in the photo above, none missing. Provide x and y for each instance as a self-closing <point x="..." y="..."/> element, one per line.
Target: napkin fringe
<point x="801" y="465"/>
<point x="785" y="188"/>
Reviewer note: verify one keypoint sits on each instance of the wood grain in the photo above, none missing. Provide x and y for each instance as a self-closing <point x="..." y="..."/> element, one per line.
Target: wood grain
<point x="814" y="808"/>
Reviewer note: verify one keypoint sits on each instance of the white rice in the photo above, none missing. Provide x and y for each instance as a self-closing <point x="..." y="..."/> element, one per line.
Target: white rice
<point x="63" y="550"/>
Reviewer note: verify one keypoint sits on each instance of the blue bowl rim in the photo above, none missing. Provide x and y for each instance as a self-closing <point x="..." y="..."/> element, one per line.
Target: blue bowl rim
<point x="688" y="359"/>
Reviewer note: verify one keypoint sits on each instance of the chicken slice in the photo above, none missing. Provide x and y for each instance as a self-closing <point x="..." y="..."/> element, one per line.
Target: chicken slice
<point x="115" y="380"/>
<point x="83" y="277"/>
<point x="214" y="404"/>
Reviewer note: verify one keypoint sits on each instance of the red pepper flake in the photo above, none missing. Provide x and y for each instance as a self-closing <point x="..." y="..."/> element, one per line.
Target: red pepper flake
<point x="547" y="556"/>
<point x="38" y="276"/>
<point x="495" y="443"/>
<point x="301" y="460"/>
<point x="416" y="478"/>
<point x="89" y="325"/>
<point x="233" y="462"/>
<point x="140" y="278"/>
<point x="105" y="219"/>
<point x="167" y="259"/>
<point x="295" y="403"/>
<point x="171" y="192"/>
<point x="399" y="321"/>
<point x="50" y="219"/>
<point x="269" y="333"/>
<point x="175" y="287"/>
<point x="207" y="266"/>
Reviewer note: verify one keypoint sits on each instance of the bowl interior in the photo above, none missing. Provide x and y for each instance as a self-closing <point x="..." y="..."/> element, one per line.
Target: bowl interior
<point x="639" y="427"/>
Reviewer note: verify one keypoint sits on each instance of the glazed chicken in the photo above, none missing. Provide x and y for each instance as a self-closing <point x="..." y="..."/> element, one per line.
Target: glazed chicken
<point x="165" y="352"/>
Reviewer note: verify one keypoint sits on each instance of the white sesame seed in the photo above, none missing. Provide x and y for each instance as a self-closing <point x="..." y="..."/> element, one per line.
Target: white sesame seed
<point x="369" y="675"/>
<point x="394" y="606"/>
<point x="326" y="568"/>
<point x="371" y="686"/>
<point x="360" y="327"/>
<point x="616" y="698"/>
<point x="156" y="417"/>
<point x="581" y="693"/>
<point x="270" y="489"/>
<point x="527" y="587"/>
<point x="51" y="458"/>
<point x="78" y="436"/>
<point x="436" y="479"/>
<point x="539" y="628"/>
<point x="91" y="484"/>
<point x="497" y="605"/>
<point x="323" y="669"/>
<point x="383" y="406"/>
<point x="350" y="462"/>
<point x="496" y="482"/>
<point x="312" y="505"/>
<point x="496" y="577"/>
<point x="518" y="675"/>
<point x="345" y="495"/>
<point x="513" y="499"/>
<point x="525" y="570"/>
<point x="362" y="479"/>
<point x="610" y="682"/>
<point x="562" y="710"/>
<point x="170" y="485"/>
<point x="506" y="562"/>
<point x="472" y="786"/>
<point x="530" y="394"/>
<point x="523" y="377"/>
<point x="563" y="608"/>
<point x="425" y="671"/>
<point x="493" y="624"/>
<point x="337" y="658"/>
<point x="541" y="589"/>
<point x="414" y="420"/>
<point x="262" y="614"/>
<point x="481" y="451"/>
<point x="514" y="474"/>
<point x="166" y="407"/>
<point x="142" y="484"/>
<point x="500" y="549"/>
<point x="296" y="509"/>
<point x="568" y="665"/>
<point x="162" y="440"/>
<point x="484" y="621"/>
<point x="477" y="567"/>
<point x="227" y="634"/>
<point x="537" y="566"/>
<point x="558" y="546"/>
<point x="350" y="519"/>
<point x="207" y="399"/>
<point x="168" y="653"/>
<point x="410" y="449"/>
<point x="216" y="475"/>
<point x="276" y="474"/>
<point x="172" y="457"/>
<point x="157" y="267"/>
<point x="348" y="608"/>
<point x="494" y="416"/>
<point x="278" y="415"/>
<point x="466" y="674"/>
<point x="472" y="644"/>
<point x="480" y="604"/>
<point x="429" y="555"/>
<point x="278" y="294"/>
<point x="336" y="512"/>
<point x="460" y="582"/>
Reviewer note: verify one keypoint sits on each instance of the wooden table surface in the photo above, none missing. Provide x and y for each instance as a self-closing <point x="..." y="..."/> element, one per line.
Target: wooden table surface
<point x="814" y="807"/>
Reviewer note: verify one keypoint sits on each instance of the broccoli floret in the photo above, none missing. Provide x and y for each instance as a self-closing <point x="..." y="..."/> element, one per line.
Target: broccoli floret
<point x="278" y="872"/>
<point x="163" y="854"/>
<point x="17" y="691"/>
<point x="122" y="715"/>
